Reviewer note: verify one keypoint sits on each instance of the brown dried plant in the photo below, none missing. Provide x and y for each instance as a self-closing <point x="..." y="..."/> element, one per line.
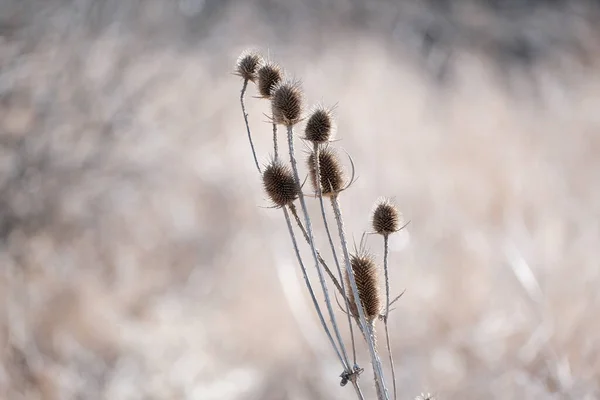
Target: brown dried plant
<point x="331" y="175"/>
<point x="366" y="274"/>
<point x="356" y="277"/>
<point x="386" y="220"/>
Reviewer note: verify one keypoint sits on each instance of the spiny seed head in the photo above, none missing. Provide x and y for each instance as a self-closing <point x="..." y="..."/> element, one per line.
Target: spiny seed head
<point x="287" y="103"/>
<point x="319" y="125"/>
<point x="280" y="184"/>
<point x="269" y="76"/>
<point x="386" y="217"/>
<point x="366" y="277"/>
<point x="330" y="169"/>
<point x="248" y="64"/>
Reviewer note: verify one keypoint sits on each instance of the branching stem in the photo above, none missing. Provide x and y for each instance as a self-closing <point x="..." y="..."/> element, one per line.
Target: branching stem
<point x="364" y="325"/>
<point x="290" y="134"/>
<point x="333" y="251"/>
<point x="294" y="212"/>
<point x="308" y="283"/>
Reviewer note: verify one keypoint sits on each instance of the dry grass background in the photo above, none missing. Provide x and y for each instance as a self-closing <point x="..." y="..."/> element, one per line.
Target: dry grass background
<point x="135" y="262"/>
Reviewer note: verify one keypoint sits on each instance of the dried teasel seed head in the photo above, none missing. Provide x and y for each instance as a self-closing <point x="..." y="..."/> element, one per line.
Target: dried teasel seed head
<point x="280" y="184"/>
<point x="268" y="77"/>
<point x="319" y="125"/>
<point x="386" y="217"/>
<point x="286" y="103"/>
<point x="367" y="282"/>
<point x="248" y="64"/>
<point x="330" y="169"/>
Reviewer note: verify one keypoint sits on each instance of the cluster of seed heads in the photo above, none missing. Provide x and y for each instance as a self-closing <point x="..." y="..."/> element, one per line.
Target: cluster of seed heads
<point x="251" y="66"/>
<point x="281" y="184"/>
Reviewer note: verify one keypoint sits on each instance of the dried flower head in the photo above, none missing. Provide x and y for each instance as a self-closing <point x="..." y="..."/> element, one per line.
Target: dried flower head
<point x="287" y="103"/>
<point x="280" y="184"/>
<point x="366" y="276"/>
<point x="248" y="64"/>
<point x="386" y="217"/>
<point x="330" y="169"/>
<point x="269" y="76"/>
<point x="319" y="125"/>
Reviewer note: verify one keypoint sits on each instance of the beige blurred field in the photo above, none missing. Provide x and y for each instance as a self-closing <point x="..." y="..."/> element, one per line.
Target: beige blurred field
<point x="139" y="258"/>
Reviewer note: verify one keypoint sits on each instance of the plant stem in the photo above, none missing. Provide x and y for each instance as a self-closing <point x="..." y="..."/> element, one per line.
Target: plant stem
<point x="375" y="361"/>
<point x="275" y="149"/>
<point x="290" y="134"/>
<point x="357" y="389"/>
<point x="373" y="335"/>
<point x="333" y="251"/>
<point x="308" y="284"/>
<point x="294" y="212"/>
<point x="387" y="309"/>
<point x="248" y="125"/>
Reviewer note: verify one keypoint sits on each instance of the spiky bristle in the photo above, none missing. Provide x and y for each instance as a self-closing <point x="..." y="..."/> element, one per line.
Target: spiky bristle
<point x="319" y="125"/>
<point x="280" y="184"/>
<point x="386" y="218"/>
<point x="331" y="172"/>
<point x="287" y="103"/>
<point x="366" y="277"/>
<point x="268" y="77"/>
<point x="248" y="64"/>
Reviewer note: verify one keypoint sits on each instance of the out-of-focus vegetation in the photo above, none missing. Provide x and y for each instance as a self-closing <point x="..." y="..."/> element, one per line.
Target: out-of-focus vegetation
<point x="136" y="263"/>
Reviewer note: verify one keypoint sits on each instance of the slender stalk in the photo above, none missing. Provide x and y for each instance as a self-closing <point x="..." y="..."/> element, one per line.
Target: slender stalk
<point x="290" y="134"/>
<point x="248" y="125"/>
<point x="309" y="285"/>
<point x="387" y="309"/>
<point x="377" y="369"/>
<point x="372" y="334"/>
<point x="275" y="148"/>
<point x="357" y="389"/>
<point x="309" y="238"/>
<point x="333" y="251"/>
<point x="294" y="212"/>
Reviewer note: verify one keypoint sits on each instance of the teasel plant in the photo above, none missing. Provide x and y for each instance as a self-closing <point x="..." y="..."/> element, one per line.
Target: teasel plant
<point x="356" y="275"/>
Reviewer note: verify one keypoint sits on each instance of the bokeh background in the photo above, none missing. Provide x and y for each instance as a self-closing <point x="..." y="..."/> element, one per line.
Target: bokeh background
<point x="139" y="258"/>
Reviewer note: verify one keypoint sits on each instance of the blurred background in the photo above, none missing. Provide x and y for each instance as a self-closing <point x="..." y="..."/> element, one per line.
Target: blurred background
<point x="139" y="260"/>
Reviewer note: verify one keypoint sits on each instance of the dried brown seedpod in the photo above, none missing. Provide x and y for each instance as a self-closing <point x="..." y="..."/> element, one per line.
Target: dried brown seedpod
<point x="286" y="103"/>
<point x="386" y="217"/>
<point x="366" y="277"/>
<point x="330" y="168"/>
<point x="319" y="125"/>
<point x="268" y="77"/>
<point x="248" y="64"/>
<point x="280" y="184"/>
